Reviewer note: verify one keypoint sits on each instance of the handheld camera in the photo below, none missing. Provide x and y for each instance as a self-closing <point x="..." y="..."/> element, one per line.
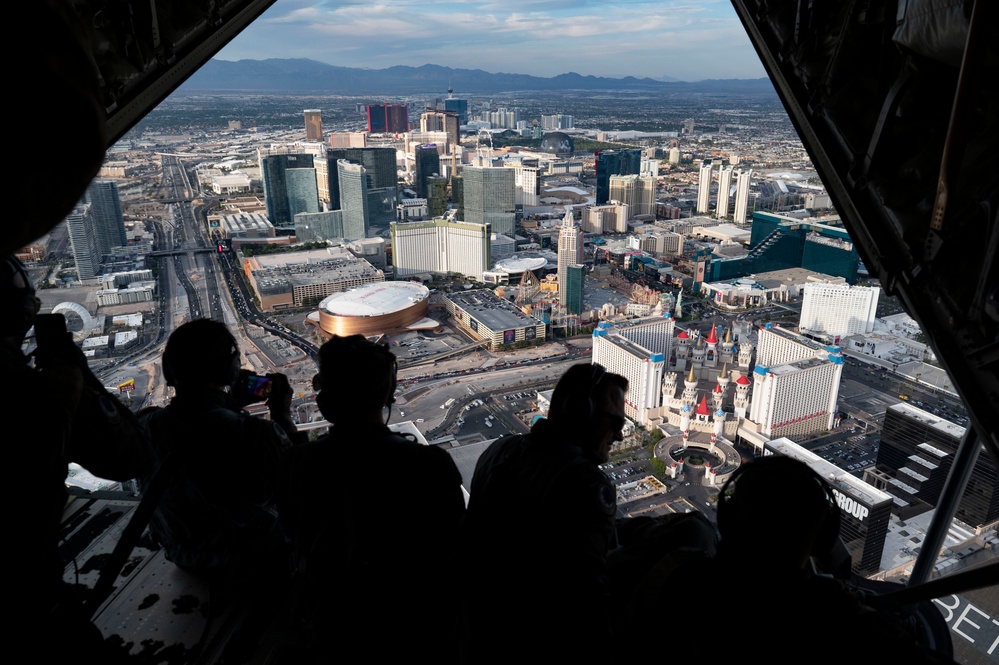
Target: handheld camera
<point x="50" y="336"/>
<point x="256" y="388"/>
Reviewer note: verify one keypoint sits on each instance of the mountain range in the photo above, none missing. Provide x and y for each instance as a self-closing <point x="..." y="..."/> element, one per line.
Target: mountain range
<point x="300" y="75"/>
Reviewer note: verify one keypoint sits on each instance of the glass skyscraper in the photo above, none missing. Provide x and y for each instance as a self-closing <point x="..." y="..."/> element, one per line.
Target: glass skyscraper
<point x="388" y="118"/>
<point x="379" y="166"/>
<point x="490" y="196"/>
<point x="615" y="162"/>
<point x="273" y="173"/>
<point x="428" y="164"/>
<point x="574" y="289"/>
<point x="102" y="195"/>
<point x="459" y="106"/>
<point x="313" y="125"/>
<point x="353" y="199"/>
<point x="83" y="238"/>
<point x="917" y="450"/>
<point x="303" y="195"/>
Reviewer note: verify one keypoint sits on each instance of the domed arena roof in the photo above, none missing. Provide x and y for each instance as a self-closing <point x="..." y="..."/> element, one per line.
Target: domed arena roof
<point x="374" y="308"/>
<point x="522" y="261"/>
<point x="376" y="299"/>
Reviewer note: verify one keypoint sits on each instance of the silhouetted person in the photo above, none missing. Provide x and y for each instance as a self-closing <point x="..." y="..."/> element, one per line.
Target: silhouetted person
<point x="217" y="516"/>
<point x="374" y="518"/>
<point x="54" y="413"/>
<point x="540" y="525"/>
<point x="779" y="524"/>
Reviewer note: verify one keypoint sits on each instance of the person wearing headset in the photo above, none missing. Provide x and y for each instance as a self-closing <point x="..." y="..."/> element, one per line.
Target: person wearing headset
<point x="56" y="412"/>
<point x="539" y="528"/>
<point x="217" y="517"/>
<point x="780" y="539"/>
<point x="374" y="518"/>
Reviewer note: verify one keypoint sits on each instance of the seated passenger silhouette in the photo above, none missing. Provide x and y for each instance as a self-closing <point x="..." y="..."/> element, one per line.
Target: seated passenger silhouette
<point x="217" y="516"/>
<point x="779" y="524"/>
<point x="56" y="412"/>
<point x="374" y="518"/>
<point x="540" y="528"/>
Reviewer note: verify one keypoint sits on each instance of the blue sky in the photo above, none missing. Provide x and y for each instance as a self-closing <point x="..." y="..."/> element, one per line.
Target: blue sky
<point x="689" y="41"/>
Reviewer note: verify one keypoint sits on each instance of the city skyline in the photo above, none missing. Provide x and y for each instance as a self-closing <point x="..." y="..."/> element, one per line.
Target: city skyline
<point x="661" y="40"/>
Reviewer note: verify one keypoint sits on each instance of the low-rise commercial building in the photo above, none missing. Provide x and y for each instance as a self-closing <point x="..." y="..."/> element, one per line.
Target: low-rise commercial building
<point x="302" y="278"/>
<point x="487" y="316"/>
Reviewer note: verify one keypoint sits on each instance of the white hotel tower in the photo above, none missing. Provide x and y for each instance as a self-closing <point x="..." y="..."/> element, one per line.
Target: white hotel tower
<point x="742" y="180"/>
<point x="639" y="354"/>
<point x="795" y="384"/>
<point x="838" y="310"/>
<point x="441" y="246"/>
<point x="704" y="187"/>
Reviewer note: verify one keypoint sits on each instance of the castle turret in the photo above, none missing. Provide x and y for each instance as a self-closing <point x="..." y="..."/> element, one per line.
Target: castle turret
<point x="723" y="380"/>
<point x="719" y="426"/>
<point x="702" y="412"/>
<point x="741" y="403"/>
<point x="690" y="388"/>
<point x="697" y="354"/>
<point x="745" y="355"/>
<point x="726" y="352"/>
<point x="669" y="388"/>
<point x="711" y="351"/>
<point x="681" y="351"/>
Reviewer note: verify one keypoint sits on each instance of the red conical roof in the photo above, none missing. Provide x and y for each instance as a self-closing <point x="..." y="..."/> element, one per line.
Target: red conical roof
<point x="683" y="335"/>
<point x="712" y="337"/>
<point x="717" y="388"/>
<point x="702" y="408"/>
<point x="743" y="381"/>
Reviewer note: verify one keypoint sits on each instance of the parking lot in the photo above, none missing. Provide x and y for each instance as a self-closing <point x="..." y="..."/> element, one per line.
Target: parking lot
<point x="855" y="454"/>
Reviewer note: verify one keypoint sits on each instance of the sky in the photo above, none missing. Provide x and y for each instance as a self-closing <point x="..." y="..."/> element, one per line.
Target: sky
<point x="687" y="40"/>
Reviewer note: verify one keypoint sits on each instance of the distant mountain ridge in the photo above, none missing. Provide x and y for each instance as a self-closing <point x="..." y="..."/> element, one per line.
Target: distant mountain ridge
<point x="301" y="75"/>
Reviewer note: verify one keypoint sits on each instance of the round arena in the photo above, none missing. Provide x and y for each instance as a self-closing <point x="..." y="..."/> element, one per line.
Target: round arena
<point x="372" y="309"/>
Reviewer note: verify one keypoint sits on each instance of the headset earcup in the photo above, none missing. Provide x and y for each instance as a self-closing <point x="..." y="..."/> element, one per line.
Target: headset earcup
<point x="393" y="382"/>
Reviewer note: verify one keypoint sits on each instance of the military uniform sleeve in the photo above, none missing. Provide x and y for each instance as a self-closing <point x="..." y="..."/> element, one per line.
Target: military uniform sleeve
<point x="107" y="439"/>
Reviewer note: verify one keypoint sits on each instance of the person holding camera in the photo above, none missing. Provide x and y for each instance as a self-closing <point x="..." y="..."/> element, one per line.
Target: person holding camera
<point x="56" y="412"/>
<point x="216" y="517"/>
